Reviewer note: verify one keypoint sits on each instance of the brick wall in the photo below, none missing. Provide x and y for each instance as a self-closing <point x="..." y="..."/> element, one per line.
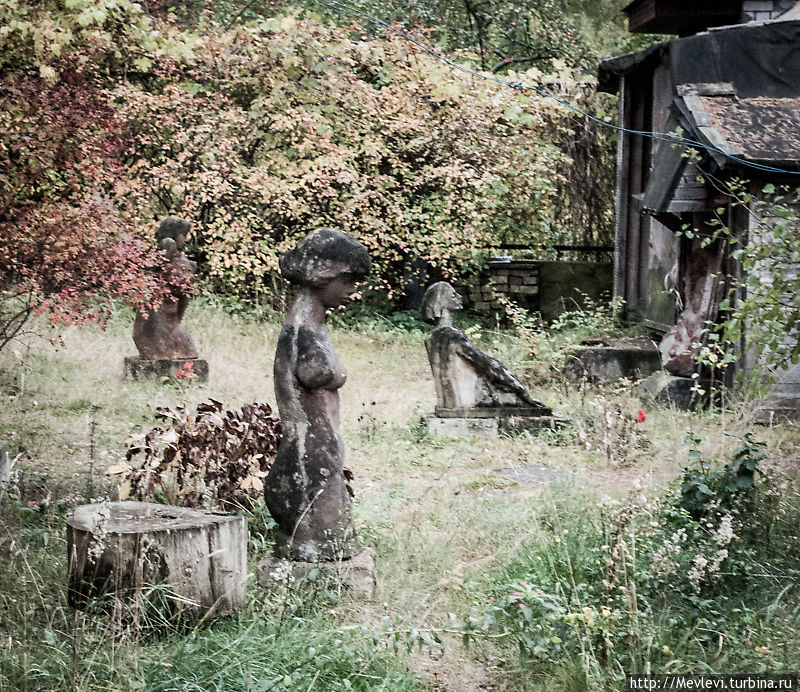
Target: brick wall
<point x="518" y="281"/>
<point x="543" y="287"/>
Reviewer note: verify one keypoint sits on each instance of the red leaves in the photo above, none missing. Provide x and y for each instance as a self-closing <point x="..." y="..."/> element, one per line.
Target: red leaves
<point x="640" y="416"/>
<point x="61" y="239"/>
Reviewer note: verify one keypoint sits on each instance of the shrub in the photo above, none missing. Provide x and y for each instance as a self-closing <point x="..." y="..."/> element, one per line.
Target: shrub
<point x="209" y="458"/>
<point x="287" y="125"/>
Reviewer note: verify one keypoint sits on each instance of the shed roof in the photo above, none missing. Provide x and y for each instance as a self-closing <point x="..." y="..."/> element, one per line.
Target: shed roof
<point x="759" y="128"/>
<point x="759" y="59"/>
<point x="737" y="91"/>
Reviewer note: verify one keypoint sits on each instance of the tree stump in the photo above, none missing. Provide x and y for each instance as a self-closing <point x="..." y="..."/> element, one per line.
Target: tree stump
<point x="198" y="560"/>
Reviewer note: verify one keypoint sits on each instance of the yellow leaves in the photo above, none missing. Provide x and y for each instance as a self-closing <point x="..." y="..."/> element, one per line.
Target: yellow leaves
<point x="252" y="482"/>
<point x="446" y="91"/>
<point x="287" y="24"/>
<point x="142" y="64"/>
<point x="48" y="73"/>
<point x="421" y="157"/>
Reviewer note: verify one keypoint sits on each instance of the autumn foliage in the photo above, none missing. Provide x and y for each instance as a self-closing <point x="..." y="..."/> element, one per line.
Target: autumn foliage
<point x="279" y="128"/>
<point x="255" y="134"/>
<point x="64" y="247"/>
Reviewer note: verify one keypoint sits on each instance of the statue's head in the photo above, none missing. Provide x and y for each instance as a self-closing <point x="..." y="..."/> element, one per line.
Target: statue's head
<point x="173" y="227"/>
<point x="440" y="297"/>
<point x="323" y="255"/>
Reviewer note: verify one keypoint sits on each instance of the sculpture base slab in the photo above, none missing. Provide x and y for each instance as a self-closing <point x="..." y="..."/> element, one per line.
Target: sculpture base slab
<point x="493" y="412"/>
<point x="144" y="368"/>
<point x="664" y="388"/>
<point x="356" y="573"/>
<point x="482" y="426"/>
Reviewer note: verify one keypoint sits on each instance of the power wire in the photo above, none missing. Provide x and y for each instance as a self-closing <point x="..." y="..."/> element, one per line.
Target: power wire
<point x="660" y="136"/>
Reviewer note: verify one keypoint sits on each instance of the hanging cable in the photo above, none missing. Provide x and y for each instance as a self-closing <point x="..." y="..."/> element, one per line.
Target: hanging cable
<point x="660" y="136"/>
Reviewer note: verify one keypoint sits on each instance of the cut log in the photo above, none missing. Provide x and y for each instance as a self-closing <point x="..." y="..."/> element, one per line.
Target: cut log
<point x="197" y="559"/>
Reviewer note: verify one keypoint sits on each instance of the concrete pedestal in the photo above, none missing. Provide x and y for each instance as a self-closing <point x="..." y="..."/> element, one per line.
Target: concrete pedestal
<point x="490" y="421"/>
<point x="356" y="573"/>
<point x="607" y="362"/>
<point x="143" y="368"/>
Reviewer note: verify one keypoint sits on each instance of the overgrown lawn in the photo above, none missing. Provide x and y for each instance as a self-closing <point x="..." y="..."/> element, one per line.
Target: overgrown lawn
<point x="549" y="586"/>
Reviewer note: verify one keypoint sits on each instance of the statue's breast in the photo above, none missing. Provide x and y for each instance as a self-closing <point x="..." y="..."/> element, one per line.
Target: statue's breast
<point x="318" y="366"/>
<point x="444" y="342"/>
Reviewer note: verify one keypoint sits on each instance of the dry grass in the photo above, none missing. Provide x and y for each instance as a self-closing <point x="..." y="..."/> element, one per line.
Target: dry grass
<point x="434" y="508"/>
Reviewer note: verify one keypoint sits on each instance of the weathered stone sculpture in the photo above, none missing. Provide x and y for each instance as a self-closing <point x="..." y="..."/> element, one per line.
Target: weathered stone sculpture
<point x="475" y="393"/>
<point x="306" y="490"/>
<point x="163" y="343"/>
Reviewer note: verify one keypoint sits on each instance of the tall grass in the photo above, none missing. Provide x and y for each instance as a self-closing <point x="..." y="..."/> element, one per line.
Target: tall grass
<point x="451" y="534"/>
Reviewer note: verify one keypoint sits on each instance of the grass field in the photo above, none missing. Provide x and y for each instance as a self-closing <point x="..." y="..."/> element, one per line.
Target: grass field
<point x="526" y="587"/>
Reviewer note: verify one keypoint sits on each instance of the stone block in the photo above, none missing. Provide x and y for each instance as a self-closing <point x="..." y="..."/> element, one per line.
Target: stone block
<point x="516" y="280"/>
<point x="481" y="307"/>
<point x="527" y="290"/>
<point x="610" y="363"/>
<point x="462" y="427"/>
<point x="559" y="280"/>
<point x="143" y="368"/>
<point x="664" y="388"/>
<point x="458" y="427"/>
<point x="518" y="424"/>
<point x="356" y="573"/>
<point x="531" y="280"/>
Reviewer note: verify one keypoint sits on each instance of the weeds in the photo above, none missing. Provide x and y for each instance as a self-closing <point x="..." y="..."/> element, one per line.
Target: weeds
<point x="659" y="585"/>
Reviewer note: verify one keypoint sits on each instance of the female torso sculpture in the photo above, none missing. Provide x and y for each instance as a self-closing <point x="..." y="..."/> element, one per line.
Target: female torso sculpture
<point x="306" y="490"/>
<point x="158" y="333"/>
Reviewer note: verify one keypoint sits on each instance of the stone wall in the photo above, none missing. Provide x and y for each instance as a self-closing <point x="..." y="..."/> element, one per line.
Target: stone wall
<point x="544" y="287"/>
<point x="518" y="281"/>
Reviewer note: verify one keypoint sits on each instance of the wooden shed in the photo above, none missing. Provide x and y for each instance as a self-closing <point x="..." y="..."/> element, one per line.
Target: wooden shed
<point x="735" y="91"/>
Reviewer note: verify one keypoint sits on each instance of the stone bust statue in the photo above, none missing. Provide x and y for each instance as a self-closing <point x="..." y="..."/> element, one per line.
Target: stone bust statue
<point x="159" y="334"/>
<point x="465" y="377"/>
<point x="306" y="490"/>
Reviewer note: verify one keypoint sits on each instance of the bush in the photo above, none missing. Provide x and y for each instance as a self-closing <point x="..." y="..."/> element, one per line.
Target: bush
<point x="288" y="125"/>
<point x="208" y="458"/>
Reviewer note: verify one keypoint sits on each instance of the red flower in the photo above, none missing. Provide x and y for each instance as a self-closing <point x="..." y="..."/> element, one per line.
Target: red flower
<point x="187" y="371"/>
<point x="640" y="417"/>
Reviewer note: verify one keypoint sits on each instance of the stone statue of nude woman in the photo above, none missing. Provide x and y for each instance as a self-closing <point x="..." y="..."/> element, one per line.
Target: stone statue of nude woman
<point x="306" y="490"/>
<point x="468" y="381"/>
<point x="159" y="334"/>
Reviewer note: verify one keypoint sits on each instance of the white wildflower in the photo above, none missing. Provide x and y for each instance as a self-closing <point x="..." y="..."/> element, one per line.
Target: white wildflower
<point x="697" y="572"/>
